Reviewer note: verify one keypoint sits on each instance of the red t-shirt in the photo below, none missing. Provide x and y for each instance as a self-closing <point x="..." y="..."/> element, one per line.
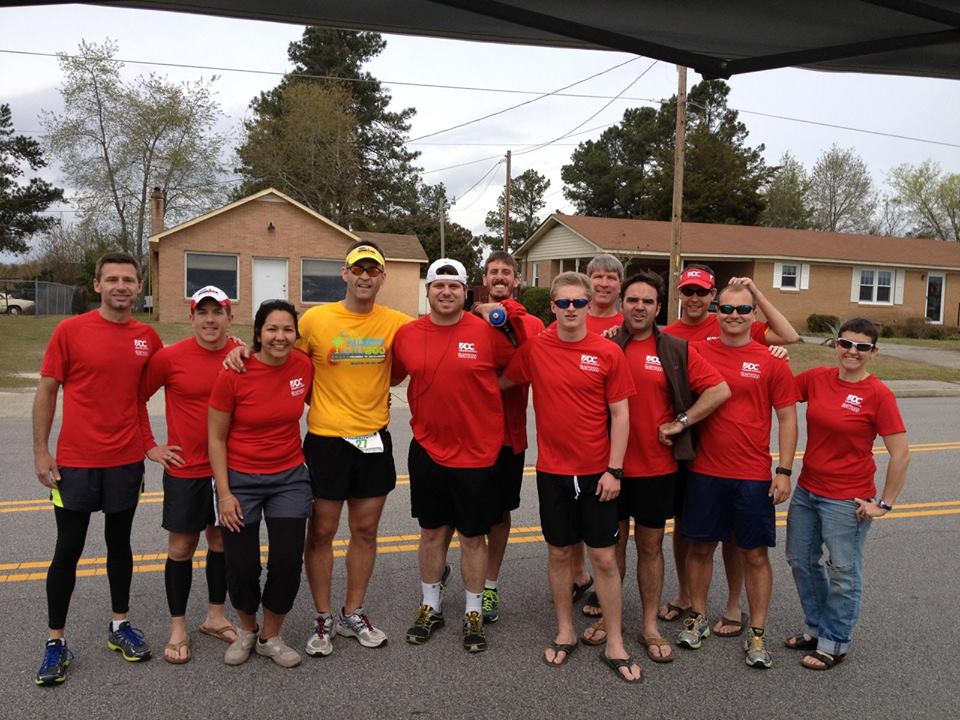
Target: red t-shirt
<point x="843" y="419"/>
<point x="573" y="384"/>
<point x="186" y="371"/>
<point x="515" y="398"/>
<point x="652" y="406"/>
<point x="710" y="328"/>
<point x="266" y="403"/>
<point x="99" y="364"/>
<point x="455" y="407"/>
<point x="735" y="439"/>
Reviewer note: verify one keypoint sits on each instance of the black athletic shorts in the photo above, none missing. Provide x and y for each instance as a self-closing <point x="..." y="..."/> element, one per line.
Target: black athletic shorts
<point x="648" y="500"/>
<point x="508" y="473"/>
<point x="680" y="490"/>
<point x="187" y="504"/>
<point x="111" y="489"/>
<point x="339" y="471"/>
<point x="571" y="511"/>
<point x="462" y="498"/>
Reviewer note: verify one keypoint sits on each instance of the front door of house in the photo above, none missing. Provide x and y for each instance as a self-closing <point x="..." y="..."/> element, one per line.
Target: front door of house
<point x="935" y="297"/>
<point x="269" y="280"/>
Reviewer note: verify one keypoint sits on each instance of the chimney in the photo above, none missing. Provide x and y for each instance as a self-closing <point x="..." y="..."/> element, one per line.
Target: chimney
<point x="157" y="210"/>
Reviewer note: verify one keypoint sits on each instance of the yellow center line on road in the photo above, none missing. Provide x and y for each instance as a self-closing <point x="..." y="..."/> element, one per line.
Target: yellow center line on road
<point x="389" y="544"/>
<point x="152" y="498"/>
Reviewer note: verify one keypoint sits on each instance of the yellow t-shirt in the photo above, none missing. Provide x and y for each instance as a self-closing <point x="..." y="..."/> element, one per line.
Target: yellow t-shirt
<point x="351" y="361"/>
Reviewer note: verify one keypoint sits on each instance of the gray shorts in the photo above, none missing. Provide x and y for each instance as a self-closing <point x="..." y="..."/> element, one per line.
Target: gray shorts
<point x="284" y="494"/>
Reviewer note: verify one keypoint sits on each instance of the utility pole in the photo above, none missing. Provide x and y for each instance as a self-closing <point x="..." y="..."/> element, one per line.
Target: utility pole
<point x="442" y="209"/>
<point x="506" y="209"/>
<point x="673" y="305"/>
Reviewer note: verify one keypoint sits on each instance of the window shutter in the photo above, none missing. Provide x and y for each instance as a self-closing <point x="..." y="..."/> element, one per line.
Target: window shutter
<point x="898" y="287"/>
<point x="805" y="276"/>
<point x="855" y="286"/>
<point x="777" y="275"/>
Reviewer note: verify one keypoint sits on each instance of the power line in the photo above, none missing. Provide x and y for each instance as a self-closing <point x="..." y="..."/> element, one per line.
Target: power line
<point x="482" y="192"/>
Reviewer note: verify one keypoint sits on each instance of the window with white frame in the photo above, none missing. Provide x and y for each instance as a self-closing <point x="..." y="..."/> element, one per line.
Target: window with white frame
<point x="877" y="286"/>
<point x="791" y="276"/>
<point x="535" y="275"/>
<point x="204" y="269"/>
<point x="320" y="281"/>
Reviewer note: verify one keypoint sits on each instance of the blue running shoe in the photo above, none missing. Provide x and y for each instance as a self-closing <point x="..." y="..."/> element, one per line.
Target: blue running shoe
<point x="129" y="641"/>
<point x="56" y="660"/>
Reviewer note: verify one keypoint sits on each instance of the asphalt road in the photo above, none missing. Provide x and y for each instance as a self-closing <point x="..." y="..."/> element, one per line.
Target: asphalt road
<point x="902" y="662"/>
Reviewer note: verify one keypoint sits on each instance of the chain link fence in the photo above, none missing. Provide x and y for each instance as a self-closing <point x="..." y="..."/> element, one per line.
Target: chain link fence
<point x="38" y="297"/>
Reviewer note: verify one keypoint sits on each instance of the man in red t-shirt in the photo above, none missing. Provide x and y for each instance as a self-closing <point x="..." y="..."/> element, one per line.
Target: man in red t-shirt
<point x="501" y="278"/>
<point x="697" y="286"/>
<point x="452" y="358"/>
<point x="186" y="371"/>
<point x="98" y="358"/>
<point x="729" y="491"/>
<point x="580" y="382"/>
<point x="650" y="466"/>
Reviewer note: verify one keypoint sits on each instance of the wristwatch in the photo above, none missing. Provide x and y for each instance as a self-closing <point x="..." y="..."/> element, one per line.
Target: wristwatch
<point x="682" y="419"/>
<point x="883" y="505"/>
<point x="783" y="471"/>
<point x="616" y="472"/>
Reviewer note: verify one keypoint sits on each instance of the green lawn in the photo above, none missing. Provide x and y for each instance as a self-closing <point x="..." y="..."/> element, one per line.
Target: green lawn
<point x="953" y="345"/>
<point x="808" y="355"/>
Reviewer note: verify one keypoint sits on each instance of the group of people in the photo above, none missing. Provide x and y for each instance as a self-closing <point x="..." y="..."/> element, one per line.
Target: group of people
<point x="634" y="422"/>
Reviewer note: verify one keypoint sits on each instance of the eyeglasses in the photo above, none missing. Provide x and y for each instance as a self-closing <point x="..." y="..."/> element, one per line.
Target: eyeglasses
<point x="358" y="270"/>
<point x="579" y="303"/>
<point x="691" y="291"/>
<point x="850" y="344"/>
<point x="727" y="309"/>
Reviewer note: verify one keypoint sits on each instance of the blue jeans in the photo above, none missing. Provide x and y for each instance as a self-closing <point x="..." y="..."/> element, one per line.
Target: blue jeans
<point x="830" y="587"/>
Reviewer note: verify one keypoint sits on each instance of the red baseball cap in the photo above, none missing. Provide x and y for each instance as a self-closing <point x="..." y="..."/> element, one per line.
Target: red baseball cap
<point x="696" y="276"/>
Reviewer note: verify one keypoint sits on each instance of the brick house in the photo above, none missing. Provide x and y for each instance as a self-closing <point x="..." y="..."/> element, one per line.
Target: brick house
<point x="267" y="246"/>
<point x="886" y="279"/>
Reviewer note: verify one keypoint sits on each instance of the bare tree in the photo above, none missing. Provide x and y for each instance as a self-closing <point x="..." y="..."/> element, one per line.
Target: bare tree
<point x="841" y="192"/>
<point x="930" y="198"/>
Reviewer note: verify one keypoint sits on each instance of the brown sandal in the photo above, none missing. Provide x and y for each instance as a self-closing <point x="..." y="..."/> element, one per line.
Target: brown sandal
<point x="220" y="633"/>
<point x="724" y="621"/>
<point x="653" y="642"/>
<point x="597" y="628"/>
<point x="175" y="649"/>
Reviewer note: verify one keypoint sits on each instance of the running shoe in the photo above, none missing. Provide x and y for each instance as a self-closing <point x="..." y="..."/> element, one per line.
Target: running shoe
<point x="278" y="651"/>
<point x="755" y="648"/>
<point x="695" y="629"/>
<point x="56" y="660"/>
<point x="320" y="643"/>
<point x="129" y="641"/>
<point x="474" y="639"/>
<point x="491" y="605"/>
<point x="358" y="625"/>
<point x="239" y="650"/>
<point x="426" y="621"/>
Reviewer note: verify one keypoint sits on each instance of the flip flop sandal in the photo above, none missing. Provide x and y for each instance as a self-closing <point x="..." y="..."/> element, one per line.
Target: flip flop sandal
<point x="657" y="642"/>
<point x="615" y="664"/>
<point x="725" y="621"/>
<point x="175" y="649"/>
<point x="567" y="648"/>
<point x="800" y="642"/>
<point x="593" y="640"/>
<point x="675" y="612"/>
<point x="591" y="606"/>
<point x="828" y="660"/>
<point x="579" y="590"/>
<point x="220" y="633"/>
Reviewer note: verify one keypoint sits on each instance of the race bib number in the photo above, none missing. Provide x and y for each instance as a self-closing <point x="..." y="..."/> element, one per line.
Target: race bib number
<point x="368" y="444"/>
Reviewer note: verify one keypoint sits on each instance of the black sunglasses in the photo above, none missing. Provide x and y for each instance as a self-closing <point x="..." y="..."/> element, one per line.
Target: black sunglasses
<point x="358" y="270"/>
<point x="691" y="291"/>
<point x="849" y="344"/>
<point x="727" y="309"/>
<point x="579" y="303"/>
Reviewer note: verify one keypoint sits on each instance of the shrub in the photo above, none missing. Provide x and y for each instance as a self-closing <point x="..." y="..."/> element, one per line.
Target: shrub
<point x="537" y="302"/>
<point x="822" y="323"/>
<point x="887" y="331"/>
<point x="935" y="332"/>
<point x="915" y="327"/>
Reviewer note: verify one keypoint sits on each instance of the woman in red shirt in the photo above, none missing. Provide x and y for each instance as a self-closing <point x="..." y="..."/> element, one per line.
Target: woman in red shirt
<point x="257" y="463"/>
<point x="836" y="496"/>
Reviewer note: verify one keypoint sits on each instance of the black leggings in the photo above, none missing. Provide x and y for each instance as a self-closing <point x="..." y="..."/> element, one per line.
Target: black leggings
<point x="284" y="564"/>
<point x="71" y="537"/>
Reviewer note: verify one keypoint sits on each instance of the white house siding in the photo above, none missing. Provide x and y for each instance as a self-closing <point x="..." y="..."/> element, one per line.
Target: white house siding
<point x="561" y="242"/>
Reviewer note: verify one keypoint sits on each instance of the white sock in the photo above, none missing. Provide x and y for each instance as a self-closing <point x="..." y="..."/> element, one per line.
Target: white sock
<point x="115" y="624"/>
<point x="492" y="584"/>
<point x="473" y="602"/>
<point x="430" y="593"/>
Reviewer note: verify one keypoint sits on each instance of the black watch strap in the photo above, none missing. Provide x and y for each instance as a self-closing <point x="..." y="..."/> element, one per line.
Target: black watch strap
<point x="616" y="472"/>
<point x="783" y="471"/>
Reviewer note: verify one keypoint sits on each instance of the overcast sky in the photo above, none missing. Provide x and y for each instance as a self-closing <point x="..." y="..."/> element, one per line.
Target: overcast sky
<point x="915" y="107"/>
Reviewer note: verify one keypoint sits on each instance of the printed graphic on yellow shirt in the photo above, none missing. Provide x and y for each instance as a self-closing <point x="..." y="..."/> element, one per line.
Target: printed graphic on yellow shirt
<point x="352" y="350"/>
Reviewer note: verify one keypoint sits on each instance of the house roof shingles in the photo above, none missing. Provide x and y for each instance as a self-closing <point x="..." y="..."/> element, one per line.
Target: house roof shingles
<point x="396" y="246"/>
<point x="618" y="235"/>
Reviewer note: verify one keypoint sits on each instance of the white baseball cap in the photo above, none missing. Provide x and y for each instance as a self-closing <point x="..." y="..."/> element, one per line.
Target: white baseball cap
<point x="210" y="291"/>
<point x="460" y="275"/>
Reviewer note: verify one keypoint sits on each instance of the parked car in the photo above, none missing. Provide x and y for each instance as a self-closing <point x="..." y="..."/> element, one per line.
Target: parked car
<point x="16" y="306"/>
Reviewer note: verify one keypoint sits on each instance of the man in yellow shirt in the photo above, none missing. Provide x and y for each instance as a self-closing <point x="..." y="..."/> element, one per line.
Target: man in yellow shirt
<point x="348" y="447"/>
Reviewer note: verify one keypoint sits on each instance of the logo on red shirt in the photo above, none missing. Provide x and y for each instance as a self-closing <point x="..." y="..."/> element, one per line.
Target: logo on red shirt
<point x="589" y="363"/>
<point x="750" y="370"/>
<point x="853" y="403"/>
<point x="653" y="363"/>
<point x="141" y="348"/>
<point x="467" y="350"/>
<point x="297" y="387"/>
